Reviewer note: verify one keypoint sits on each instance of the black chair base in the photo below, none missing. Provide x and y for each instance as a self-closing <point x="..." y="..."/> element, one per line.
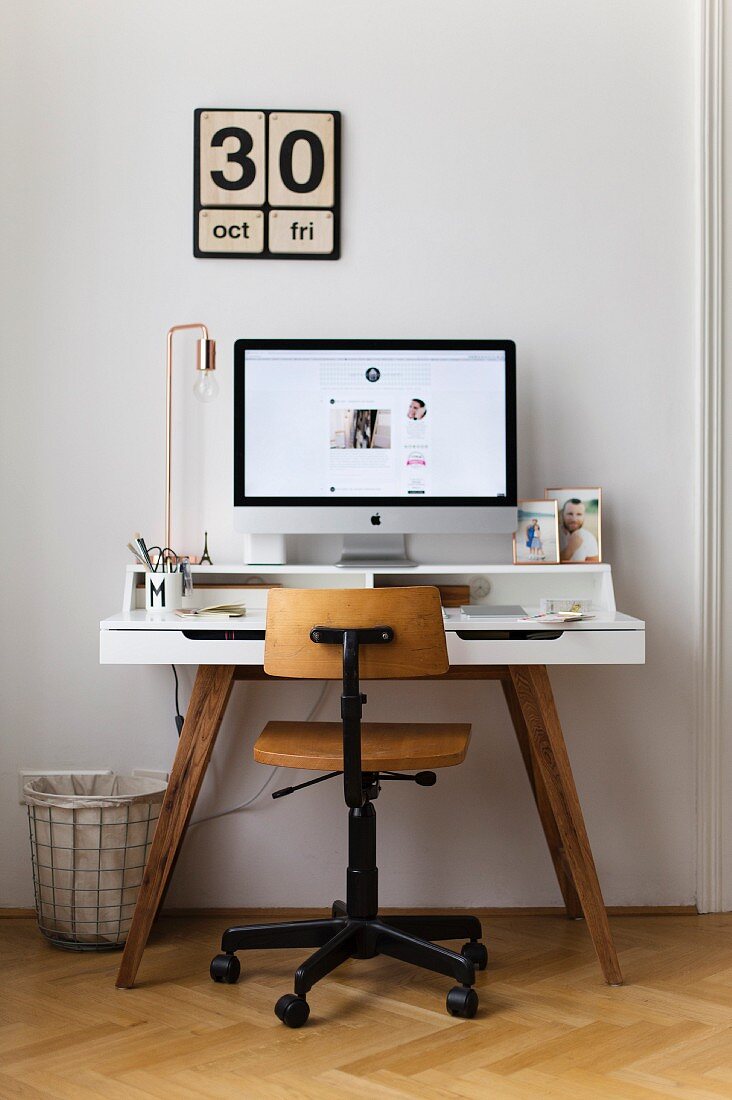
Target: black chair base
<point x="342" y="937"/>
<point x="356" y="931"/>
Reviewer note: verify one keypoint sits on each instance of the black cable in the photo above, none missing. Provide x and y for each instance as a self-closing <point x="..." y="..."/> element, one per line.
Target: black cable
<point x="178" y="716"/>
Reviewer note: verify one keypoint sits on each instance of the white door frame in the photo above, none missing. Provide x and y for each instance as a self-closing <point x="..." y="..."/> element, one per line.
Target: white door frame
<point x="708" y="688"/>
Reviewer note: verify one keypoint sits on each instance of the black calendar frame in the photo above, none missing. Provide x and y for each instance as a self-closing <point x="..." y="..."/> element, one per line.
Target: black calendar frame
<point x="266" y="206"/>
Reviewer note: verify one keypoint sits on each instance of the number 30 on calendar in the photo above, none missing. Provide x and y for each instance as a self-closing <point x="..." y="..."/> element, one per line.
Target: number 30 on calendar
<point x="266" y="184"/>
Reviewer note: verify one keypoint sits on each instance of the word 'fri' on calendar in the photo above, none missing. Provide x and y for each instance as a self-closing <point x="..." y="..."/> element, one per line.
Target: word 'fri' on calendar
<point x="266" y="184"/>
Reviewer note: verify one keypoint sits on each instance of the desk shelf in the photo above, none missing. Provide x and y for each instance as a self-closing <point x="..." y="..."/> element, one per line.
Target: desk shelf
<point x="522" y="584"/>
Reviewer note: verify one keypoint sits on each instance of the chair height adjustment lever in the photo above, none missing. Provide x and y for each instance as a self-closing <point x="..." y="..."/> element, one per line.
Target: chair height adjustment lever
<point x="422" y="779"/>
<point x="299" y="786"/>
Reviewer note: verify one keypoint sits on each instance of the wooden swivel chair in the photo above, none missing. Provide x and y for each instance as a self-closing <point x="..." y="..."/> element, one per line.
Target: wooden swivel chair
<point x="371" y="634"/>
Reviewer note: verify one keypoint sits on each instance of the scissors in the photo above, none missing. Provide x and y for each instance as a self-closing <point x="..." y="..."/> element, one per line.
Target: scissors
<point x="166" y="557"/>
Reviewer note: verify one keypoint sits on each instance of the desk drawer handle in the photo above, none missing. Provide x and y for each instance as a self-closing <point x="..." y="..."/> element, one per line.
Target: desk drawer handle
<point x="224" y="635"/>
<point x="509" y="635"/>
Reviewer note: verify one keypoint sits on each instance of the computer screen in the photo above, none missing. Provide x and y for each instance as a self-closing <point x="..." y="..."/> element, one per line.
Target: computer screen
<point x="392" y="422"/>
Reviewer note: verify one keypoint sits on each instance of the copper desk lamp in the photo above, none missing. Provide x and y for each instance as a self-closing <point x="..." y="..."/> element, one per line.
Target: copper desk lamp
<point x="205" y="388"/>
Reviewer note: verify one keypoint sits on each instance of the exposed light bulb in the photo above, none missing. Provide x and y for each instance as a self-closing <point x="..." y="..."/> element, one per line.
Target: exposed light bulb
<point x="206" y="387"/>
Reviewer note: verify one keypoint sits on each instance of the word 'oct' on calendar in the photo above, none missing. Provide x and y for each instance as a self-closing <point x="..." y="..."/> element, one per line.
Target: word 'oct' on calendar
<point x="266" y="184"/>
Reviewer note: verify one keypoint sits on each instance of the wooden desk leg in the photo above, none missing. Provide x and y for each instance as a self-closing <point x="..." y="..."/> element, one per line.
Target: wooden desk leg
<point x="206" y="708"/>
<point x="546" y="814"/>
<point x="536" y="700"/>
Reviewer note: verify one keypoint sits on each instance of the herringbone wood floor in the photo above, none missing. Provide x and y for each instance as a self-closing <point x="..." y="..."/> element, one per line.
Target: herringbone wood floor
<point x="548" y="1027"/>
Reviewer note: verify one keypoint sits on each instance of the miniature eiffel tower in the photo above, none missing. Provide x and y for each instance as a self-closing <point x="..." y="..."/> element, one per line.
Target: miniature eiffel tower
<point x="205" y="556"/>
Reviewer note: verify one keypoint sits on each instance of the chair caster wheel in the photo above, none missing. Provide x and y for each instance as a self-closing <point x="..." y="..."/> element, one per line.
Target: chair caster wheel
<point x="462" y="1000"/>
<point x="338" y="909"/>
<point x="225" y="968"/>
<point x="292" y="1010"/>
<point x="476" y="953"/>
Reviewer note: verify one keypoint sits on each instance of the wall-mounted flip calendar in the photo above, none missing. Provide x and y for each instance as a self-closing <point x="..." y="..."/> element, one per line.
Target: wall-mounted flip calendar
<point x="266" y="184"/>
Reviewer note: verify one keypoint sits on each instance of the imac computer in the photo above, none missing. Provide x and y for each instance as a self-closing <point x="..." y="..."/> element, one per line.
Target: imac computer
<point x="374" y="439"/>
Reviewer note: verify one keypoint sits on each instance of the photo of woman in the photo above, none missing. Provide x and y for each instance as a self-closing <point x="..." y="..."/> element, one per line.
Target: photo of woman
<point x="360" y="429"/>
<point x="533" y="542"/>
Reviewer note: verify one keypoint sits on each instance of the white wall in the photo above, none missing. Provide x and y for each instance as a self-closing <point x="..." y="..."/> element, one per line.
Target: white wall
<point x="510" y="170"/>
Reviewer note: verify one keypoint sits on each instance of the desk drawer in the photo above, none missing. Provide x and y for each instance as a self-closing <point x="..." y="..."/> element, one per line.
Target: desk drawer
<point x="586" y="647"/>
<point x="172" y="647"/>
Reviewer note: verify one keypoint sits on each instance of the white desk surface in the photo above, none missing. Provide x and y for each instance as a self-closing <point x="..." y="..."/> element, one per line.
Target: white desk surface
<point x="168" y="620"/>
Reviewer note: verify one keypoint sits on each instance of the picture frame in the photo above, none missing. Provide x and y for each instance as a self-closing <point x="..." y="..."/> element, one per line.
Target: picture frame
<point x="536" y="539"/>
<point x="579" y="512"/>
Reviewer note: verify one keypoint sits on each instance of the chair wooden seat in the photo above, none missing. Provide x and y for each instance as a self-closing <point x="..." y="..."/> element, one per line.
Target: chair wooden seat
<point x="385" y="746"/>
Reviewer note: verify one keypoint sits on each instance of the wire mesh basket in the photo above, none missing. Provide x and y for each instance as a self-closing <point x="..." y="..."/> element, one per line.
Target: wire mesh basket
<point x="90" y="837"/>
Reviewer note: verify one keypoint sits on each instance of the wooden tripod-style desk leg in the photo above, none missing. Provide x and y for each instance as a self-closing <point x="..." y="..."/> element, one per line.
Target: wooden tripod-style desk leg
<point x="210" y="695"/>
<point x="562" y="869"/>
<point x="531" y="703"/>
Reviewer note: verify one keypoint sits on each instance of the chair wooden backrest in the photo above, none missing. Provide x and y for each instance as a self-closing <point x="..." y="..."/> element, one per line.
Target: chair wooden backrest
<point x="414" y="614"/>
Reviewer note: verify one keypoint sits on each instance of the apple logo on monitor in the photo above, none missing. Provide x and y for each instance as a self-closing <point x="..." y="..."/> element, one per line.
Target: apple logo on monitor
<point x="376" y="520"/>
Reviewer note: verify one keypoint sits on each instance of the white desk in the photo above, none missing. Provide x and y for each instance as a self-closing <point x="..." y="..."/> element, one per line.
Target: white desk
<point x="134" y="636"/>
<point x="510" y="650"/>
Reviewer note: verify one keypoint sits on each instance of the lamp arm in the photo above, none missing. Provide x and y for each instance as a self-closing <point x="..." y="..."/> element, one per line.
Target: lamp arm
<point x="168" y="417"/>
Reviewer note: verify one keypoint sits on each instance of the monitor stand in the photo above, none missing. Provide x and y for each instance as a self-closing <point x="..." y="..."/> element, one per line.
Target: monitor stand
<point x="367" y="551"/>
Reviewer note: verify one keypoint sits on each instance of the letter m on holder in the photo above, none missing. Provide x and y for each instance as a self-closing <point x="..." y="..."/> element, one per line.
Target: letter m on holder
<point x="259" y="172"/>
<point x="155" y="592"/>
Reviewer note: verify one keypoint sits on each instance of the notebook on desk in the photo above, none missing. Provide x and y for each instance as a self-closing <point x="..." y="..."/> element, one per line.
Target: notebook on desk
<point x="491" y="611"/>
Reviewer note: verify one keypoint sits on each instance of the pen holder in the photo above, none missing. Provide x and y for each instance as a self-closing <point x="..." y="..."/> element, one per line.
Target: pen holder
<point x="163" y="591"/>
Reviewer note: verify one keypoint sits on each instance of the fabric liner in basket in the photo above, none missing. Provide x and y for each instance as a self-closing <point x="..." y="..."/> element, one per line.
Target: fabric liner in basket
<point x="90" y="837"/>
